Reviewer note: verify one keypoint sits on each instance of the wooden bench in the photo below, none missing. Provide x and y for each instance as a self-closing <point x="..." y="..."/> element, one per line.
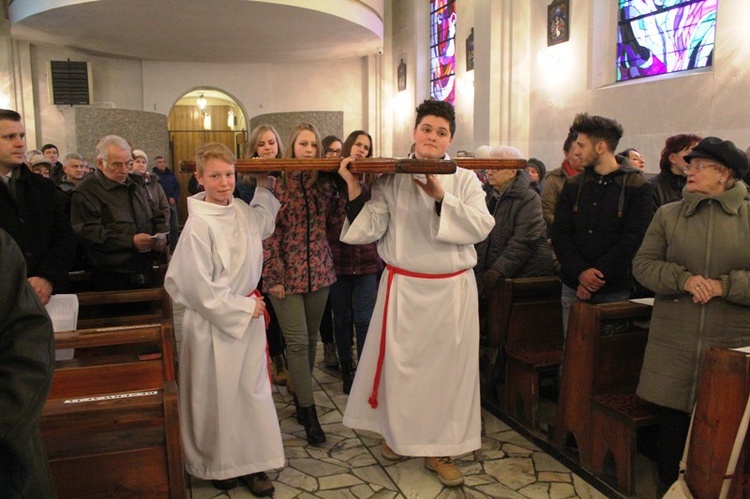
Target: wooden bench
<point x="597" y="406"/>
<point x="110" y="424"/>
<point x="528" y="326"/>
<point x="123" y="308"/>
<point x="721" y="397"/>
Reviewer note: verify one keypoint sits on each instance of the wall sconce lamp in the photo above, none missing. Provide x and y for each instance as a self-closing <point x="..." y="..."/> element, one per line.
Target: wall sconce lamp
<point x="401" y="76"/>
<point x="201" y="101"/>
<point x="206" y="121"/>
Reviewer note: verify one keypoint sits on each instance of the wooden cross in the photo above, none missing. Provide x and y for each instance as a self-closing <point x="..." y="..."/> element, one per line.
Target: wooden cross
<point x="371" y="165"/>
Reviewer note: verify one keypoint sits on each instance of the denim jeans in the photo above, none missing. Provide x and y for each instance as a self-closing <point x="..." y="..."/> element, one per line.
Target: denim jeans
<point x="299" y="317"/>
<point x="353" y="298"/>
<point x="568" y="297"/>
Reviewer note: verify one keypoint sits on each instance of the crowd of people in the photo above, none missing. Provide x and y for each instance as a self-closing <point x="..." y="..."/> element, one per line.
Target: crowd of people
<point x="394" y="272"/>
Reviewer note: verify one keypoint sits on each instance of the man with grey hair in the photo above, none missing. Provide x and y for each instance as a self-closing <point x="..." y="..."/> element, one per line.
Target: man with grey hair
<point x="111" y="215"/>
<point x="75" y="169"/>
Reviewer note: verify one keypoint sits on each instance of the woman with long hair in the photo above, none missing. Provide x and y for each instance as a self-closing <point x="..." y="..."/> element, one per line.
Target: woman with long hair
<point x="299" y="269"/>
<point x="357" y="266"/>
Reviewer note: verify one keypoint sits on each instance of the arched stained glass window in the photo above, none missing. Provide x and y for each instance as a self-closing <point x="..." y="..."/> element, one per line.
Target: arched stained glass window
<point x="443" y="50"/>
<point x="664" y="36"/>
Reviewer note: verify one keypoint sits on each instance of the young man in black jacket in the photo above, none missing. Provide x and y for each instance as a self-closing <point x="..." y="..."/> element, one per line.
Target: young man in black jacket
<point x="601" y="217"/>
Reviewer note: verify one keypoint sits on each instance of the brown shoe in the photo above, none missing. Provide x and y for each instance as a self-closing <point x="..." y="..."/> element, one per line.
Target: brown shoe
<point x="388" y="453"/>
<point x="447" y="472"/>
<point x="259" y="484"/>
<point x="278" y="370"/>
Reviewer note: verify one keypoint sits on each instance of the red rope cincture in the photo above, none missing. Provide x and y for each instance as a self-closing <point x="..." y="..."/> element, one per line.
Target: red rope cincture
<point x="392" y="272"/>
<point x="267" y="319"/>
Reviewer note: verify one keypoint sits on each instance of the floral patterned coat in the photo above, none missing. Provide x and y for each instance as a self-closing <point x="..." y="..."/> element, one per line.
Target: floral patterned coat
<point x="297" y="255"/>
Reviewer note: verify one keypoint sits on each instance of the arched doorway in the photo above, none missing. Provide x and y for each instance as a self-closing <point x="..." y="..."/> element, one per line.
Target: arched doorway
<point x="198" y="117"/>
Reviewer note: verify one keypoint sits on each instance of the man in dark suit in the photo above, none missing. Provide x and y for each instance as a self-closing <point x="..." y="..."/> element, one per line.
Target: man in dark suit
<point x="27" y="360"/>
<point x="32" y="213"/>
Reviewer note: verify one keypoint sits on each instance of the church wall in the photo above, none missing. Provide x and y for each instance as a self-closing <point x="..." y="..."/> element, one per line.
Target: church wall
<point x="334" y="85"/>
<point x="578" y="75"/>
<point x="521" y="92"/>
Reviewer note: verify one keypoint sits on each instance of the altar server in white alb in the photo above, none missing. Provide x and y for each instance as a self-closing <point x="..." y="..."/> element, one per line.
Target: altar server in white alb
<point x="228" y="421"/>
<point x="417" y="383"/>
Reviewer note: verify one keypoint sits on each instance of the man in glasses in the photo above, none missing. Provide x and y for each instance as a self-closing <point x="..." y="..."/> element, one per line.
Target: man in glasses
<point x="111" y="215"/>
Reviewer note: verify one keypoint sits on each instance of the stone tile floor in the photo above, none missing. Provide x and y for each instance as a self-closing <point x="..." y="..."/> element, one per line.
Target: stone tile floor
<point x="349" y="464"/>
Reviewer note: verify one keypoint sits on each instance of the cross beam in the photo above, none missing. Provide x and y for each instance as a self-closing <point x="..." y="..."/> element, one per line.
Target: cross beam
<point x="371" y="165"/>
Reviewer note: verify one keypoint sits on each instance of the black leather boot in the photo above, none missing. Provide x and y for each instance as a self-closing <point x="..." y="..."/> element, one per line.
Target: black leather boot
<point x="313" y="431"/>
<point x="347" y="376"/>
<point x="298" y="413"/>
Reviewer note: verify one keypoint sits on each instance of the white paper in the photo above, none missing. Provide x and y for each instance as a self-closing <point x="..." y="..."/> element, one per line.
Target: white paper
<point x="63" y="310"/>
<point x="644" y="301"/>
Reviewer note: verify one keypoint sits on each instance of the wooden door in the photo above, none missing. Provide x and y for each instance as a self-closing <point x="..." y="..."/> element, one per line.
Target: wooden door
<point x="186" y="133"/>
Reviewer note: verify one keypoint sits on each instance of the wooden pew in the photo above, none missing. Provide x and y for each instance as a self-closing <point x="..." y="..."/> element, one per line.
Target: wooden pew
<point x="721" y="397"/>
<point x="525" y="325"/>
<point x="602" y="363"/>
<point x="110" y="424"/>
<point x="123" y="308"/>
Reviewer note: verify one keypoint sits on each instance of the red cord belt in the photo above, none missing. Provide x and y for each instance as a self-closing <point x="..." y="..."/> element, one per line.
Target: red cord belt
<point x="267" y="319"/>
<point x="393" y="271"/>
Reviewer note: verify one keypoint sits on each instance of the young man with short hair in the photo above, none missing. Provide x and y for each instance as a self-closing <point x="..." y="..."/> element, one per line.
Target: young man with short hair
<point x="417" y="383"/>
<point x="51" y="152"/>
<point x="601" y="217"/>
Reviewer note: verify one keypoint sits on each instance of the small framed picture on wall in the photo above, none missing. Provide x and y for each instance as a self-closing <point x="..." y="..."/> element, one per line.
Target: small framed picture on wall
<point x="558" y="22"/>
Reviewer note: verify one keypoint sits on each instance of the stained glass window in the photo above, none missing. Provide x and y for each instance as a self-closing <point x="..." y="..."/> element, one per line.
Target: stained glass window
<point x="664" y="36"/>
<point x="443" y="50"/>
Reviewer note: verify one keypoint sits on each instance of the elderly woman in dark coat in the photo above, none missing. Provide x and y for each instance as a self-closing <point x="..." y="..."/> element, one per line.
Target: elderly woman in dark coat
<point x="517" y="245"/>
<point x="695" y="257"/>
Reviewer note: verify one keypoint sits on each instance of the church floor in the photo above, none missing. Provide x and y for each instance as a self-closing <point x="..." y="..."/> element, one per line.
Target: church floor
<point x="349" y="464"/>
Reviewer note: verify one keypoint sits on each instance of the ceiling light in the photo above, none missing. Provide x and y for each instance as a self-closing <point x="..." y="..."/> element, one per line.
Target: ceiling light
<point x="201" y="101"/>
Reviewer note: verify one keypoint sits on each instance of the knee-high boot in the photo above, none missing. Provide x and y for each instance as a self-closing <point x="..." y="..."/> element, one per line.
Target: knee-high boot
<point x="313" y="431"/>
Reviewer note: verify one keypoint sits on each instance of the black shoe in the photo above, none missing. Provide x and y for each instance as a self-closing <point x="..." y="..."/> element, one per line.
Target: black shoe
<point x="313" y="431"/>
<point x="227" y="484"/>
<point x="259" y="484"/>
<point x="347" y="376"/>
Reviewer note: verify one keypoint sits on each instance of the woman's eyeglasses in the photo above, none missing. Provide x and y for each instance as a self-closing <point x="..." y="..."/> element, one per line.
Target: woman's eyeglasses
<point x="698" y="166"/>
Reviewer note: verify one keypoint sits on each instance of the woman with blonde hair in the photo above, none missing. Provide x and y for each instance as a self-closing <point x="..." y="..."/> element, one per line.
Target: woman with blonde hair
<point x="299" y="270"/>
<point x="265" y="143"/>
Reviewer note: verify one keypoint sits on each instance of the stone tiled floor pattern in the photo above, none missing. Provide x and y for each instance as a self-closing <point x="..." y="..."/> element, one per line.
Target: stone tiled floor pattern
<point x="349" y="464"/>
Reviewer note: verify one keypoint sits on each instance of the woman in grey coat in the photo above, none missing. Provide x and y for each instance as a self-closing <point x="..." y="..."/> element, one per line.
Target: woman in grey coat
<point x="517" y="245"/>
<point x="695" y="257"/>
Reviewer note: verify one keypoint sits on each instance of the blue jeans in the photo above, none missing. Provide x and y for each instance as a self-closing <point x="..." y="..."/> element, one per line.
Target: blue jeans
<point x="568" y="297"/>
<point x="353" y="298"/>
